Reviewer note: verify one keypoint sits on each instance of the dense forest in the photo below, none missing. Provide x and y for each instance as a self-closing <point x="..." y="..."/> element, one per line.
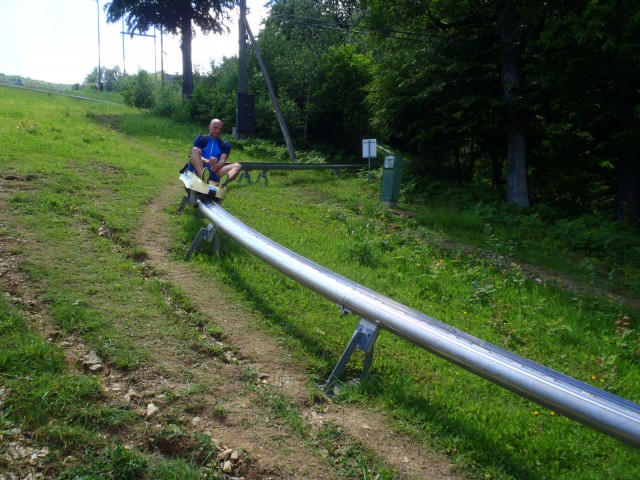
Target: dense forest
<point x="537" y="100"/>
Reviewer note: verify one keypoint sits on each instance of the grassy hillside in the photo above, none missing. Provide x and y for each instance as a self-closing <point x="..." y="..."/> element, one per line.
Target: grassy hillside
<point x="76" y="177"/>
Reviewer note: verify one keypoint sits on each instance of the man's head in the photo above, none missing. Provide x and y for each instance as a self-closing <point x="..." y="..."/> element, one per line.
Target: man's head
<point x="215" y="128"/>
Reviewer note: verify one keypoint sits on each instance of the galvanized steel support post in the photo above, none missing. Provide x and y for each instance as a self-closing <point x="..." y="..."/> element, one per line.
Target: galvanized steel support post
<point x="363" y="338"/>
<point x="208" y="234"/>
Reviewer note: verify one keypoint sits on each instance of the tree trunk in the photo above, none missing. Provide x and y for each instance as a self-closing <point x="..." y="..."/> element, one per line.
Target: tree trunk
<point x="185" y="46"/>
<point x="628" y="168"/>
<point x="517" y="185"/>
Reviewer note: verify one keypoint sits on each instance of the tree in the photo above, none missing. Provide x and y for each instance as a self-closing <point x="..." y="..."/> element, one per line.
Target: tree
<point x="517" y="187"/>
<point x="175" y="17"/>
<point x="587" y="105"/>
<point x="435" y="88"/>
<point x="292" y="45"/>
<point x="338" y="113"/>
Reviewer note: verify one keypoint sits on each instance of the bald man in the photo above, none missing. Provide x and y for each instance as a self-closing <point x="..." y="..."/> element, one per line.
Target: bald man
<point x="209" y="156"/>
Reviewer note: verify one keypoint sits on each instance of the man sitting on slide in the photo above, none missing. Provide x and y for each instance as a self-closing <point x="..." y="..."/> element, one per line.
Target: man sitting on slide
<point x="209" y="156"/>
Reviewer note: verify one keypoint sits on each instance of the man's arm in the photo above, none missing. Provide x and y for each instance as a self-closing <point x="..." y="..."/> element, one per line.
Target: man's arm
<point x="225" y="148"/>
<point x="218" y="164"/>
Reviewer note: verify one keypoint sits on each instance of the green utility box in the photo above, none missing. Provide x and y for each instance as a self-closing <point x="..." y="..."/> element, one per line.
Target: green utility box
<point x="391" y="175"/>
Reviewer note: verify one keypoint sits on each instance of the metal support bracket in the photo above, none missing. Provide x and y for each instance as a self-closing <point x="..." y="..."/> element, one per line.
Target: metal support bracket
<point x="244" y="174"/>
<point x="185" y="200"/>
<point x="208" y="234"/>
<point x="263" y="174"/>
<point x="363" y="338"/>
<point x="190" y="198"/>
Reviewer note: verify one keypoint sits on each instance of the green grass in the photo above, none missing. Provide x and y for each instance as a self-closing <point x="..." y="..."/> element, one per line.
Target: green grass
<point x="489" y="430"/>
<point x="77" y="190"/>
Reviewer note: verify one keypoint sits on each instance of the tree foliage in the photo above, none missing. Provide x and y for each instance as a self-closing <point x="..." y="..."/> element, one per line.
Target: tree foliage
<point x="110" y="76"/>
<point x="436" y="90"/>
<point x="175" y="17"/>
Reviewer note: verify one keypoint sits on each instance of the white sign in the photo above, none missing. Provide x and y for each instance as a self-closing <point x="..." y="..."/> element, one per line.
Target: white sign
<point x="369" y="148"/>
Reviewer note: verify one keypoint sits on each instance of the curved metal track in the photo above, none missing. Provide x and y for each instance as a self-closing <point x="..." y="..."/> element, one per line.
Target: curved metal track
<point x="603" y="411"/>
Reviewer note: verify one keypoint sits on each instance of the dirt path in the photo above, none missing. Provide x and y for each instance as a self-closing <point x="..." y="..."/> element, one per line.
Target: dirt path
<point x="264" y="354"/>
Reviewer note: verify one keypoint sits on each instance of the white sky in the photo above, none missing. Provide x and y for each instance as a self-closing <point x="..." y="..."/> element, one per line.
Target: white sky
<point x="57" y="41"/>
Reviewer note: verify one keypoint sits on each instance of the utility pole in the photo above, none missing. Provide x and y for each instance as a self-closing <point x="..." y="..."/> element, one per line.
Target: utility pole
<point x="99" y="66"/>
<point x="245" y="103"/>
<point x="161" y="59"/>
<point x="124" y="64"/>
<point x="242" y="50"/>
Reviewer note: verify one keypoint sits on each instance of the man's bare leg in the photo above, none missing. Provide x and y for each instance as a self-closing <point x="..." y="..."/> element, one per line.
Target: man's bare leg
<point x="203" y="173"/>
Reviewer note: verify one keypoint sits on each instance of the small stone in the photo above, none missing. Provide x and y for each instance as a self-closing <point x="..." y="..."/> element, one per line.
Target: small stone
<point x="132" y="393"/>
<point x="227" y="467"/>
<point x="96" y="367"/>
<point x="196" y="421"/>
<point x="91" y="358"/>
<point x="234" y="456"/>
<point x="225" y="454"/>
<point x="151" y="410"/>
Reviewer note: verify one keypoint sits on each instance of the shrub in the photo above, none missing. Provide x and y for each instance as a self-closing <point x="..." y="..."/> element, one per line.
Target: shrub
<point x="139" y="90"/>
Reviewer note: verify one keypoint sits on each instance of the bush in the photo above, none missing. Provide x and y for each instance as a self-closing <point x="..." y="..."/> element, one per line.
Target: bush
<point x="599" y="238"/>
<point x="169" y="102"/>
<point x="139" y="90"/>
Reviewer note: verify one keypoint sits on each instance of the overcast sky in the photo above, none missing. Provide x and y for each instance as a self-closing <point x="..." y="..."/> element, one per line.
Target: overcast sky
<point x="57" y="41"/>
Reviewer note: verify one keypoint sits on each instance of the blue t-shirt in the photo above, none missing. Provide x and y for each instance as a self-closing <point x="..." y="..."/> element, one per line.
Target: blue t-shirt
<point x="211" y="148"/>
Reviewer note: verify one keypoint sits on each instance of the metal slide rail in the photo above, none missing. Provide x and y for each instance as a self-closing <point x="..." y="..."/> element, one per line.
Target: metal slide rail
<point x="593" y="407"/>
<point x="266" y="167"/>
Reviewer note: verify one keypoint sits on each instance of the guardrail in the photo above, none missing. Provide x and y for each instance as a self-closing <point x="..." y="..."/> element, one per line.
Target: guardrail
<point x="603" y="411"/>
<point x="266" y="167"/>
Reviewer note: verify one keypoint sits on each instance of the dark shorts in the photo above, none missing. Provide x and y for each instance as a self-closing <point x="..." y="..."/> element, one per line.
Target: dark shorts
<point x="214" y="177"/>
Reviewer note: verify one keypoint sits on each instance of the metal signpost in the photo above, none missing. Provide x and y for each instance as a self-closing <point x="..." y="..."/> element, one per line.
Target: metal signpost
<point x="369" y="152"/>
